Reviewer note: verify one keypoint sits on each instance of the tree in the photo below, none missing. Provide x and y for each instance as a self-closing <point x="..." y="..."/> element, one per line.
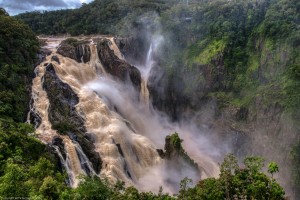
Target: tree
<point x="49" y="188"/>
<point x="92" y="188"/>
<point x="184" y="185"/>
<point x="12" y="182"/>
<point x="273" y="168"/>
<point x="3" y="12"/>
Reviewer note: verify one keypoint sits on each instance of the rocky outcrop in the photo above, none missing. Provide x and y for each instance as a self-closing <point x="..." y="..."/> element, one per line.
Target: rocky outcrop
<point x="34" y="118"/>
<point x="115" y="66"/>
<point x="41" y="55"/>
<point x="55" y="58"/>
<point x="57" y="141"/>
<point x="64" y="117"/>
<point x="175" y="151"/>
<point x="75" y="49"/>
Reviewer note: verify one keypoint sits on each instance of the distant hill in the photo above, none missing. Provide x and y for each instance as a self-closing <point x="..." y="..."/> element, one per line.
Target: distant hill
<point x="99" y="16"/>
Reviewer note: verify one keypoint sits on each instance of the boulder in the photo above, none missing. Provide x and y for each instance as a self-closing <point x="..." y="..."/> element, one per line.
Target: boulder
<point x="55" y="58"/>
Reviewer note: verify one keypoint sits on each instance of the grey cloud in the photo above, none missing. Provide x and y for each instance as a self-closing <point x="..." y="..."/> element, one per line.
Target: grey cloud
<point x="17" y="6"/>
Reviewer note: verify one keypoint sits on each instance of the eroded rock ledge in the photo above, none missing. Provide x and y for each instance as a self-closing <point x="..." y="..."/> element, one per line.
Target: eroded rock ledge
<point x="75" y="49"/>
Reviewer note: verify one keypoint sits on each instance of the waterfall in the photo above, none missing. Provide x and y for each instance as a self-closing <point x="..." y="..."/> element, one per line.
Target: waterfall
<point x="66" y="165"/>
<point x="126" y="133"/>
<point x="95" y="62"/>
<point x="155" y="44"/>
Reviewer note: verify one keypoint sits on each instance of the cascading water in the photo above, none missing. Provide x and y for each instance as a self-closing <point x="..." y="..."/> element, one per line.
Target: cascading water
<point x="126" y="133"/>
<point x="149" y="63"/>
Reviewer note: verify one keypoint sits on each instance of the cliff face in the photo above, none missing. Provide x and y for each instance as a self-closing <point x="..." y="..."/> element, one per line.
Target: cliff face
<point x="134" y="48"/>
<point x="117" y="67"/>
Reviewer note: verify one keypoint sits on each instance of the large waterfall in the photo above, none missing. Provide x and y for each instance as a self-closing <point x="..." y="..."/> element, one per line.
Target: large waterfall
<point x="121" y="124"/>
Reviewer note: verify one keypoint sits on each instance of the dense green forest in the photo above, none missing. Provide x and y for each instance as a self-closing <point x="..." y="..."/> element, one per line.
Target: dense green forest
<point x="234" y="52"/>
<point x="27" y="167"/>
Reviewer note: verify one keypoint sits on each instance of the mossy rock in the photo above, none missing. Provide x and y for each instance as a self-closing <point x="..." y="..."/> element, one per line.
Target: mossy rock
<point x="174" y="150"/>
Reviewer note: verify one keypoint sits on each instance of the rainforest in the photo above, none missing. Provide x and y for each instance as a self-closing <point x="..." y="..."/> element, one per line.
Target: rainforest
<point x="151" y="99"/>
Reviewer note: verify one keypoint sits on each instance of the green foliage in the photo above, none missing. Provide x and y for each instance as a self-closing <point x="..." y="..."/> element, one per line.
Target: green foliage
<point x="238" y="183"/>
<point x="18" y="48"/>
<point x="12" y="182"/>
<point x="26" y="167"/>
<point x="174" y="150"/>
<point x="92" y="188"/>
<point x="273" y="168"/>
<point x="184" y="185"/>
<point x="206" y="51"/>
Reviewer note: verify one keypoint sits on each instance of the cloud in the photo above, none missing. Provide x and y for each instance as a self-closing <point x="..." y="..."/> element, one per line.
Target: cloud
<point x="14" y="7"/>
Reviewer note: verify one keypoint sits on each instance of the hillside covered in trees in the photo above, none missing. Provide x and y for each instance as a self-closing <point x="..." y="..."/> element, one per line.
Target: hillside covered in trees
<point x="235" y="62"/>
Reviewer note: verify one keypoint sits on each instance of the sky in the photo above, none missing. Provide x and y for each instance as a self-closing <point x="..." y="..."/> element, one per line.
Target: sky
<point x="14" y="7"/>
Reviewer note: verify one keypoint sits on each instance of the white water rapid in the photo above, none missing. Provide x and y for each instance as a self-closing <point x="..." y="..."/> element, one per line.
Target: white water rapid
<point x="127" y="132"/>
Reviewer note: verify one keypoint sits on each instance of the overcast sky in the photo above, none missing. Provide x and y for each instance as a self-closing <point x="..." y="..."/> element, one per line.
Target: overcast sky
<point x="14" y="7"/>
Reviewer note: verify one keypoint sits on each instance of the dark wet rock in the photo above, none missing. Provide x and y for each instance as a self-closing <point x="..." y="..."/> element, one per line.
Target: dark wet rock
<point x="161" y="153"/>
<point x="175" y="151"/>
<point x="75" y="49"/>
<point x="41" y="55"/>
<point x="134" y="49"/>
<point x="64" y="117"/>
<point x="167" y="94"/>
<point x="35" y="119"/>
<point x="241" y="114"/>
<point x="115" y="66"/>
<point x="120" y="149"/>
<point x="55" y="58"/>
<point x="57" y="141"/>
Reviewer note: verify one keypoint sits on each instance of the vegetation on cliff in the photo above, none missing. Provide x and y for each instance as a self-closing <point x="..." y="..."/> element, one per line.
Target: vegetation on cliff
<point x="175" y="151"/>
